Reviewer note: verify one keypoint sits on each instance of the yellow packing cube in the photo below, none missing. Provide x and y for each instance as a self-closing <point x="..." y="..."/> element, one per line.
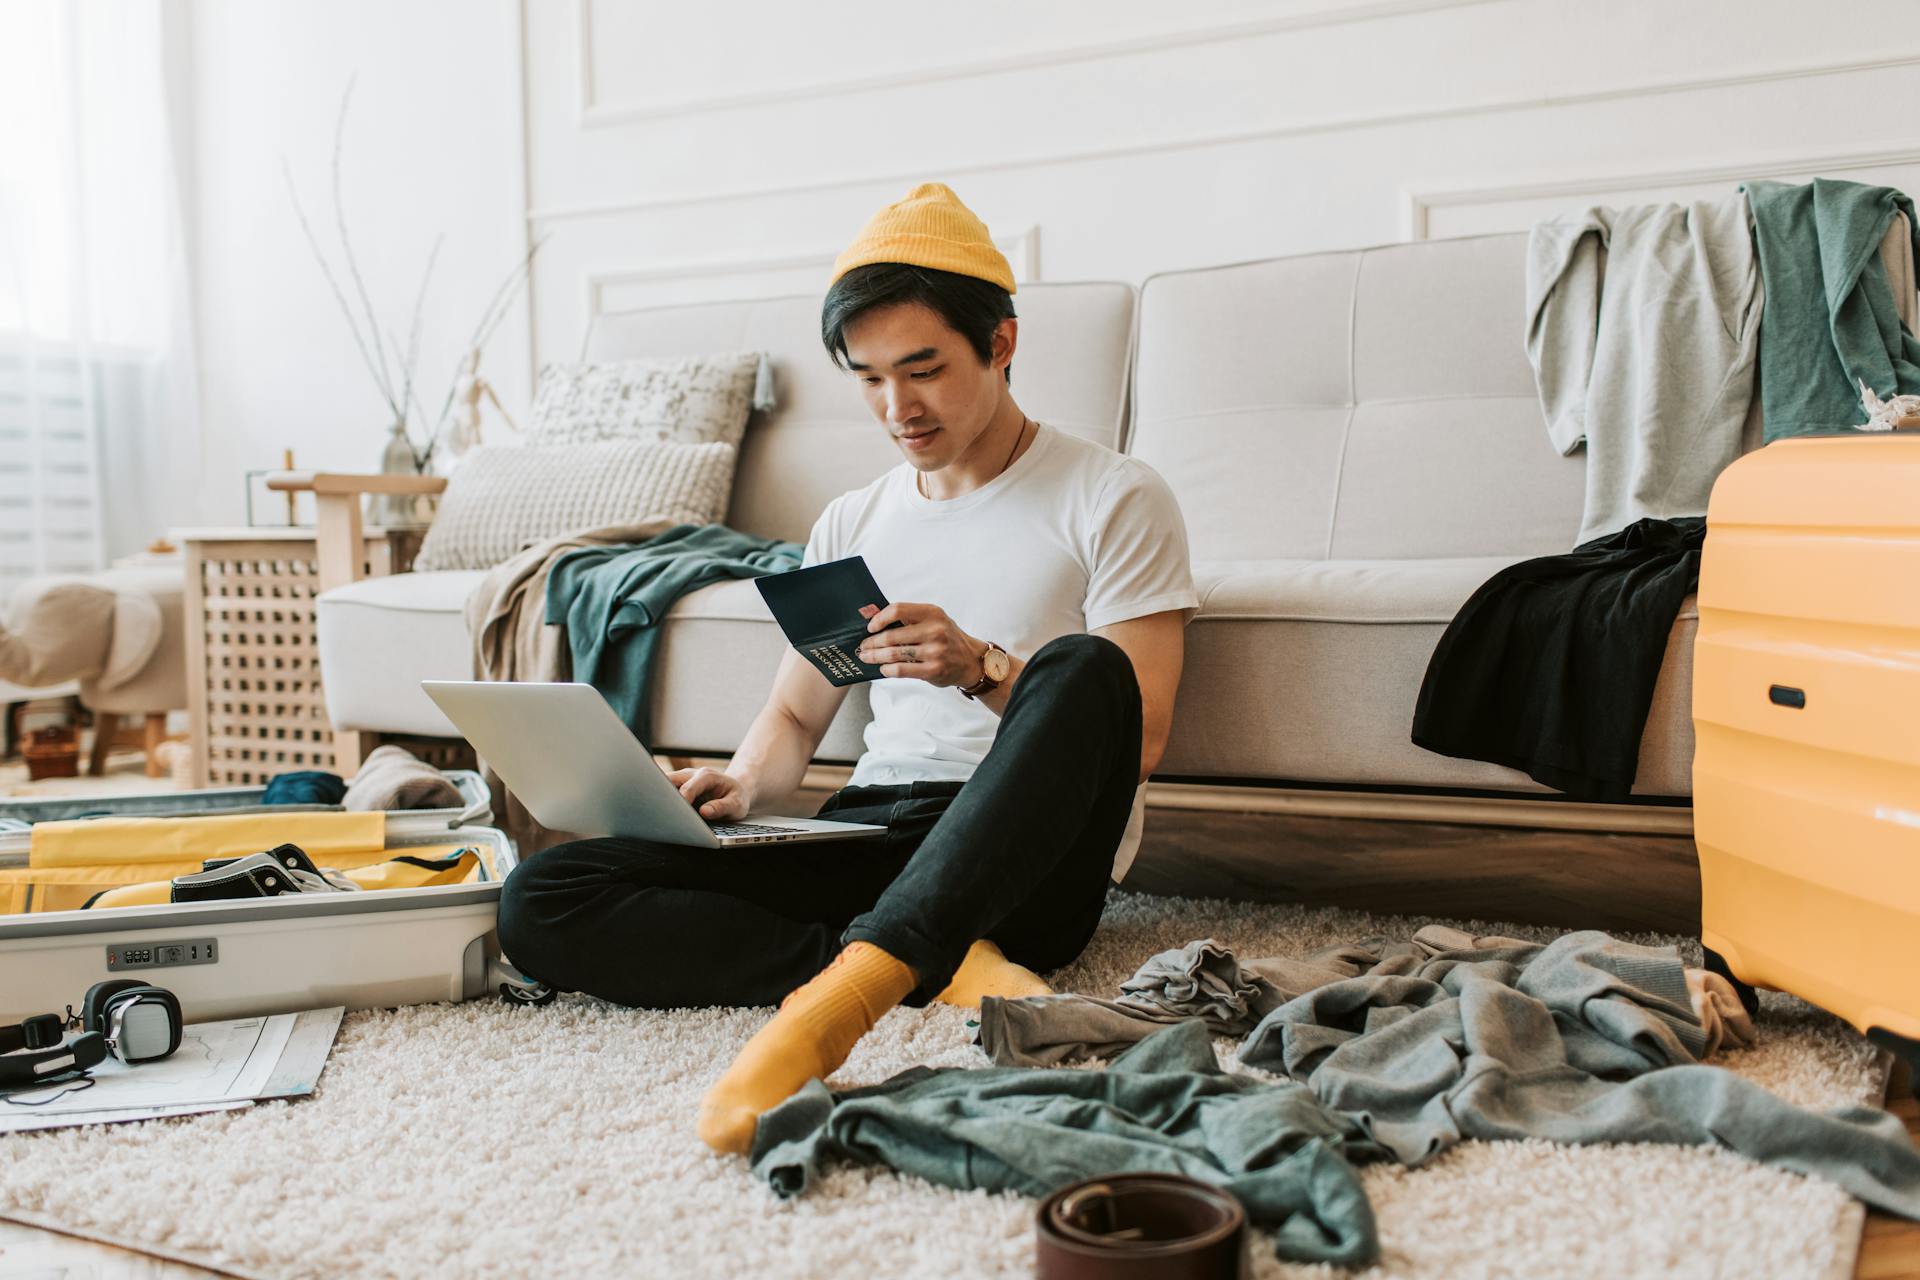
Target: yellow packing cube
<point x="415" y="869"/>
<point x="69" y="862"/>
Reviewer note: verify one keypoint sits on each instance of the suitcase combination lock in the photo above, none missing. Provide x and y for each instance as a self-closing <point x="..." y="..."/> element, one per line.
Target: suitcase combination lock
<point x="161" y="955"/>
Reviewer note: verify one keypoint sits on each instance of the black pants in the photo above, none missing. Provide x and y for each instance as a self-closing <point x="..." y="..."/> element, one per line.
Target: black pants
<point x="1019" y="854"/>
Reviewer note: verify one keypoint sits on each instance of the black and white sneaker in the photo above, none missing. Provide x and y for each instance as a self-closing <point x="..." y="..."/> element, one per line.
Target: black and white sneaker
<point x="286" y="869"/>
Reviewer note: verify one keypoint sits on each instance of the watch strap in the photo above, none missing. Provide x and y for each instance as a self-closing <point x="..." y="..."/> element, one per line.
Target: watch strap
<point x="986" y="684"/>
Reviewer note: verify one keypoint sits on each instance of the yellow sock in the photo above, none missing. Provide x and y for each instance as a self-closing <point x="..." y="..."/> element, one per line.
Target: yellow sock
<point x="986" y="972"/>
<point x="812" y="1034"/>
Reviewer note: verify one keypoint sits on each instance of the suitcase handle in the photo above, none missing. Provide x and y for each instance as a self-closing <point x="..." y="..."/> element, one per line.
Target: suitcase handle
<point x="478" y="811"/>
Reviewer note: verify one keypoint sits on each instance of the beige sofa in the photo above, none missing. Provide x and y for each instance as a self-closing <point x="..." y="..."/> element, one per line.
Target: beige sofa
<point x="1355" y="442"/>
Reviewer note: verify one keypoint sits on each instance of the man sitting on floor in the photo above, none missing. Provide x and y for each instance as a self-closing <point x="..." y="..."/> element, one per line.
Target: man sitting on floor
<point x="1005" y="760"/>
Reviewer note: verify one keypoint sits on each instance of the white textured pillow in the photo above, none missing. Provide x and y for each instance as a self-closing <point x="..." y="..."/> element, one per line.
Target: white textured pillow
<point x="691" y="399"/>
<point x="502" y="499"/>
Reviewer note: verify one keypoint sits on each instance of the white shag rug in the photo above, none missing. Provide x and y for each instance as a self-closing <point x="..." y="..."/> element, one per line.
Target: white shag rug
<point x="488" y="1140"/>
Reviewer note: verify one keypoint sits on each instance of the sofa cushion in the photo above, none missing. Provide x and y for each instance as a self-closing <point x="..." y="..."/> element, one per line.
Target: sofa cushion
<point x="380" y="637"/>
<point x="1353" y="406"/>
<point x="1335" y="651"/>
<point x="692" y="399"/>
<point x="1382" y="591"/>
<point x="503" y="499"/>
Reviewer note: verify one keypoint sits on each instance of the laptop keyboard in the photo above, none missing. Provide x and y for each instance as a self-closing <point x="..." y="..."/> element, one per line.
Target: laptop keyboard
<point x="748" y="829"/>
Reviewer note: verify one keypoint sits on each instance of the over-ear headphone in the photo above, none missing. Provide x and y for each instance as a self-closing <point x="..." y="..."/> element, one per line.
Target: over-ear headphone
<point x="131" y="1020"/>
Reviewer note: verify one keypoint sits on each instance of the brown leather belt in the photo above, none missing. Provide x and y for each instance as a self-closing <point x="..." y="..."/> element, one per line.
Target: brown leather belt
<point x="1141" y="1226"/>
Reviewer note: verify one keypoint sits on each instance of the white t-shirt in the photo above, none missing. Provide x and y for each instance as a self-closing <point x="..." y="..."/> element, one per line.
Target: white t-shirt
<point x="1072" y="537"/>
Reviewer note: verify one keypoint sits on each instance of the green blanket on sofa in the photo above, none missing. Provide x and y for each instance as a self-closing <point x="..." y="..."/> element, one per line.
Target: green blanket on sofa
<point x="613" y="600"/>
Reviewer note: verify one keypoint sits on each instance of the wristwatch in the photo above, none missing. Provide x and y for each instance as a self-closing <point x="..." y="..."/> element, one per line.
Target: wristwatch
<point x="994" y="666"/>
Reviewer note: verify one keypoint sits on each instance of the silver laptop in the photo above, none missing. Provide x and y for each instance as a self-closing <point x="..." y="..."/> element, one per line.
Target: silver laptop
<point x="577" y="768"/>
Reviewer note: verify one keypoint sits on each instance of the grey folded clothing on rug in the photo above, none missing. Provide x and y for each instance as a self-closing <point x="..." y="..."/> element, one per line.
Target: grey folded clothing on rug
<point x="394" y="778"/>
<point x="1425" y="1043"/>
<point x="1590" y="1040"/>
<point x="1614" y="1009"/>
<point x="1205" y="980"/>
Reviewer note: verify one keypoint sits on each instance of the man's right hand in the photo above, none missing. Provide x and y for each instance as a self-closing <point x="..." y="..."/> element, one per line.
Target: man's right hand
<point x="716" y="796"/>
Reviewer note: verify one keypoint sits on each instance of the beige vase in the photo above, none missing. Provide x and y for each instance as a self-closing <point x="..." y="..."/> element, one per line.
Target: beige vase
<point x="397" y="459"/>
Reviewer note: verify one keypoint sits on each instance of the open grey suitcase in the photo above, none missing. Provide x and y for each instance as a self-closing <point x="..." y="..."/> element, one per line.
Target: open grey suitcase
<point x="20" y="815"/>
<point x="369" y="949"/>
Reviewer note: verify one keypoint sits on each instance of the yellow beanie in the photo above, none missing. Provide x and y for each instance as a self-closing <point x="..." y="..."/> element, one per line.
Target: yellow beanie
<point x="930" y="228"/>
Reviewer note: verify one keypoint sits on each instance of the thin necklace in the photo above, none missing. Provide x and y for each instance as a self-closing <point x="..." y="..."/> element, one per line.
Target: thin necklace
<point x="920" y="481"/>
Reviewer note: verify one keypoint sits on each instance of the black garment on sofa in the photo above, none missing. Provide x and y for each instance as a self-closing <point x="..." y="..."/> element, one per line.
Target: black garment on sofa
<point x="1549" y="667"/>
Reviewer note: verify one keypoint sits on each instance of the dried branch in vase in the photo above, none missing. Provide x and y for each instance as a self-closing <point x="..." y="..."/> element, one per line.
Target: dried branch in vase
<point x="374" y="342"/>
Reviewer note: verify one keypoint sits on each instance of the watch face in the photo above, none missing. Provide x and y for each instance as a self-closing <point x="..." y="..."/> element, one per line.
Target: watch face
<point x="995" y="663"/>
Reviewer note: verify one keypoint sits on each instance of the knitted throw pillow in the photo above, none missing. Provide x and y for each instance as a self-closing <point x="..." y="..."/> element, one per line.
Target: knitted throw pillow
<point x="502" y="499"/>
<point x="692" y="399"/>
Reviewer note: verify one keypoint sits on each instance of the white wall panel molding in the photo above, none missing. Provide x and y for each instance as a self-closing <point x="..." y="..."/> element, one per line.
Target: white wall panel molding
<point x="890" y="178"/>
<point x="763" y="276"/>
<point x="1422" y="206"/>
<point x="583" y="82"/>
<point x="594" y="114"/>
<point x="521" y="143"/>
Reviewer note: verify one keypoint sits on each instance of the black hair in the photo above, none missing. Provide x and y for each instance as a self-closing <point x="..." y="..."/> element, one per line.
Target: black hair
<point x="971" y="307"/>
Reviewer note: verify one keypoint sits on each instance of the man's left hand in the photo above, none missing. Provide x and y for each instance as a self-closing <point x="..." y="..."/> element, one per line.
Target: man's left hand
<point x="927" y="645"/>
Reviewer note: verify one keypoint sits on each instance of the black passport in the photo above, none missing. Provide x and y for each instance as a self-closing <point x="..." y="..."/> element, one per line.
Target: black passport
<point x="819" y="609"/>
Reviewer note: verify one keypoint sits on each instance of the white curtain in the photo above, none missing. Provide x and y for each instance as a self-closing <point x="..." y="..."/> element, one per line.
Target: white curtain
<point x="99" y="422"/>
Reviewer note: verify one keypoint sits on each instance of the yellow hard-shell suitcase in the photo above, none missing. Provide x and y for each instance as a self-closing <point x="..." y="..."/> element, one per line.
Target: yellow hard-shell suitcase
<point x="1806" y="713"/>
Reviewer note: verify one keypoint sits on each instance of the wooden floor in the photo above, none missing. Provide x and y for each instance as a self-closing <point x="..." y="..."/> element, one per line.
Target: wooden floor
<point x="1890" y="1247"/>
<point x="43" y="1255"/>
